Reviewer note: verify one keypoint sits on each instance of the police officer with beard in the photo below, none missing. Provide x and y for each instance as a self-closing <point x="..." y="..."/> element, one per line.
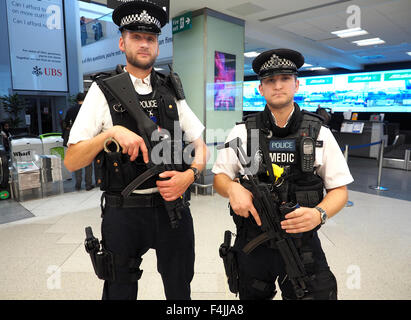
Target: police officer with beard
<point x="133" y="225"/>
<point x="308" y="170"/>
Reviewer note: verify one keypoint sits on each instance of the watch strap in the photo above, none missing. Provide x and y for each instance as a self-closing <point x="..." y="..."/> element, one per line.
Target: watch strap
<point x="323" y="214"/>
<point x="196" y="173"/>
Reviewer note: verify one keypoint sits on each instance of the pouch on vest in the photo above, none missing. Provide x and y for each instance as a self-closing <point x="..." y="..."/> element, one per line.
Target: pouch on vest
<point x="114" y="170"/>
<point x="308" y="191"/>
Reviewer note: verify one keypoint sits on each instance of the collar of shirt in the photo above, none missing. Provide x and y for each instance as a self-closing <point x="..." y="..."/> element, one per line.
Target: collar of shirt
<point x="142" y="86"/>
<point x="288" y="119"/>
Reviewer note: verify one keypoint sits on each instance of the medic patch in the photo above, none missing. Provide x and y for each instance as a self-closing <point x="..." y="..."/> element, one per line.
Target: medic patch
<point x="282" y="151"/>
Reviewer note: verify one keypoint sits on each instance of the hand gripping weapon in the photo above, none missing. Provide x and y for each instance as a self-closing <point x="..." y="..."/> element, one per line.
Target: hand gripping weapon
<point x="271" y="214"/>
<point x="122" y="89"/>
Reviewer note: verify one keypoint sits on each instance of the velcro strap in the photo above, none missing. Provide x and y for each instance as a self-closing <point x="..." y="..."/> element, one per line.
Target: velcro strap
<point x="134" y="272"/>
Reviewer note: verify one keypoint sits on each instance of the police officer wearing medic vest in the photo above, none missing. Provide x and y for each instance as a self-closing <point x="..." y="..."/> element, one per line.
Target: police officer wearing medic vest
<point x="284" y="126"/>
<point x="133" y="225"/>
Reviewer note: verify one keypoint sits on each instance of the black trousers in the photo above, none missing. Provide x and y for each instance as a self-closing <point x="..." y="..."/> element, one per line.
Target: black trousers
<point x="133" y="231"/>
<point x="259" y="270"/>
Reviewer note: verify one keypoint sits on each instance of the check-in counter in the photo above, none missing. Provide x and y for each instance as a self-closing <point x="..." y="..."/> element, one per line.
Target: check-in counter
<point x="357" y="133"/>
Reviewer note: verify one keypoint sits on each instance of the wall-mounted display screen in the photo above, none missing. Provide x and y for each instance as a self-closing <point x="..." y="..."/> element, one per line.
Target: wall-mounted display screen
<point x="383" y="91"/>
<point x="224" y="81"/>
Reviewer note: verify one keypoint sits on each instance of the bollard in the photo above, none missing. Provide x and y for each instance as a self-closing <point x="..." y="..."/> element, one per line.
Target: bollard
<point x="349" y="203"/>
<point x="407" y="159"/>
<point x="346" y="153"/>
<point x="380" y="160"/>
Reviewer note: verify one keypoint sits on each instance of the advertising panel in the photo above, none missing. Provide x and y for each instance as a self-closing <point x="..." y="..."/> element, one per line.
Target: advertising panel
<point x="224" y="81"/>
<point x="37" y="45"/>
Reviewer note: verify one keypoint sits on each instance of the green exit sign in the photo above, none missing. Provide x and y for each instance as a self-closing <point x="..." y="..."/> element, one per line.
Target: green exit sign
<point x="182" y="22"/>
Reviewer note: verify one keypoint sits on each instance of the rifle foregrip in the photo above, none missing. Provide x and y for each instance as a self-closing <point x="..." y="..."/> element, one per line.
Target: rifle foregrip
<point x="288" y="207"/>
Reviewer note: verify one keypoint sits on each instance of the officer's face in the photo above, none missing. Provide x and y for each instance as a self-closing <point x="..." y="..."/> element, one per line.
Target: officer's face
<point x="279" y="90"/>
<point x="141" y="49"/>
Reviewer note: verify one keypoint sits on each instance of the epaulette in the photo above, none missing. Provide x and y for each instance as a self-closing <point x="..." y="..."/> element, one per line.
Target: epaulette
<point x="313" y="114"/>
<point x="100" y="75"/>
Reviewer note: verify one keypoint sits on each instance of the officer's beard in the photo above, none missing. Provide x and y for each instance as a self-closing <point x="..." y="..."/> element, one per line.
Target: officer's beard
<point x="137" y="64"/>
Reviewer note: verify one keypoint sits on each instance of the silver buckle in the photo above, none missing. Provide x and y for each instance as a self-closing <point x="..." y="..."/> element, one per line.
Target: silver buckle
<point x="118" y="108"/>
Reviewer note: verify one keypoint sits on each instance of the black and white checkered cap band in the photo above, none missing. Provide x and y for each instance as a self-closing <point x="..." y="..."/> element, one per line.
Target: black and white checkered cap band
<point x="276" y="62"/>
<point x="143" y="17"/>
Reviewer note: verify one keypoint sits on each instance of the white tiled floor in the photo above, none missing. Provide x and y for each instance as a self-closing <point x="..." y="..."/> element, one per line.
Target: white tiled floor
<point x="367" y="247"/>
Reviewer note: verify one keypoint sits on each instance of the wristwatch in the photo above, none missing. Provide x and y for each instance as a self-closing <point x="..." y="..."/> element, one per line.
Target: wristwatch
<point x="196" y="173"/>
<point x="323" y="215"/>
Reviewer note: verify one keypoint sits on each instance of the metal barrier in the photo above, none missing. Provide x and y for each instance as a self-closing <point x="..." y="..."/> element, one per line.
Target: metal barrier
<point x="349" y="203"/>
<point x="380" y="160"/>
<point x="407" y="158"/>
<point x="203" y="186"/>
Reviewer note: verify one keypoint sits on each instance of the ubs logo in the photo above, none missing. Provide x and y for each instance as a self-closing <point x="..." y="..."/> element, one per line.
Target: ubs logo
<point x="49" y="72"/>
<point x="37" y="71"/>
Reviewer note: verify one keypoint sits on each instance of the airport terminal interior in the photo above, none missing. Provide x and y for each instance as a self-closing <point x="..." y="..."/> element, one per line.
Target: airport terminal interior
<point x="357" y="71"/>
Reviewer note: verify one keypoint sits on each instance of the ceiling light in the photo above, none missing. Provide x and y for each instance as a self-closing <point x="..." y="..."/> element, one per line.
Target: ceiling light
<point x="368" y="42"/>
<point x="409" y="53"/>
<point x="251" y="54"/>
<point x="317" y="68"/>
<point x="352" y="32"/>
<point x="158" y="69"/>
<point x="305" y="65"/>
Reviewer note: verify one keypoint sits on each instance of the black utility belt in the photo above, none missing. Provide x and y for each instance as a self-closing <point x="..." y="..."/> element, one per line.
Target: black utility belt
<point x="133" y="201"/>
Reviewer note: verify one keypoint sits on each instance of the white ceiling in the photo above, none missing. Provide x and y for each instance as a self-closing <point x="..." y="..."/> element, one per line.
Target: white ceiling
<point x="306" y="25"/>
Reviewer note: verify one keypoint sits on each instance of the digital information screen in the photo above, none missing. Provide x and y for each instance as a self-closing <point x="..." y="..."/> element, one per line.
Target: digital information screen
<point x="37" y="45"/>
<point x="387" y="91"/>
<point x="224" y="81"/>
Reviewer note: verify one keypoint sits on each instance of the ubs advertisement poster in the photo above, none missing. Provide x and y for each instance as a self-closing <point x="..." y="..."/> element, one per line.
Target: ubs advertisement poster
<point x="37" y="45"/>
<point x="224" y="81"/>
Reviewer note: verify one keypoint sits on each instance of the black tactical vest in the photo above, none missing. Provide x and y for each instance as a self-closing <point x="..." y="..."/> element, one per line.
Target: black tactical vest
<point x="114" y="169"/>
<point x="282" y="146"/>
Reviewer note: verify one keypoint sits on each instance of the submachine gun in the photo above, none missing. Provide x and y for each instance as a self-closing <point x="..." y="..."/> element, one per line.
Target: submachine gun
<point x="121" y="88"/>
<point x="271" y="212"/>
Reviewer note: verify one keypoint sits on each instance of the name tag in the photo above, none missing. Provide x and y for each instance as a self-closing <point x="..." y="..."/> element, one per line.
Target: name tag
<point x="283" y="151"/>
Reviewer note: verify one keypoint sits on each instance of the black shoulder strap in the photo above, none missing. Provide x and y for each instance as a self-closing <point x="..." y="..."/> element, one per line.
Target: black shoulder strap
<point x="250" y="124"/>
<point x="111" y="101"/>
<point x="255" y="122"/>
